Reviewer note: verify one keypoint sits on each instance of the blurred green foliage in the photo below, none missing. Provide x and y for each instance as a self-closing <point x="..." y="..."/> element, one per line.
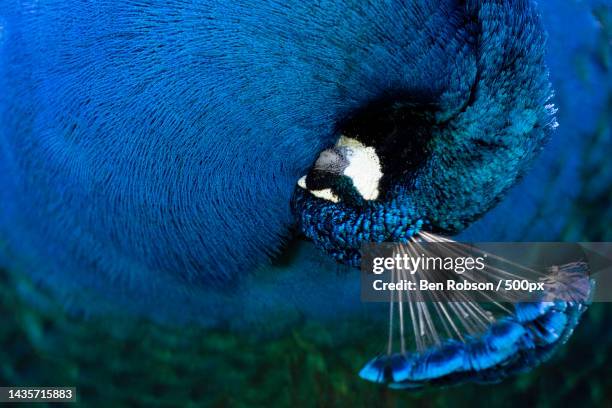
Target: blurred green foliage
<point x="142" y="363"/>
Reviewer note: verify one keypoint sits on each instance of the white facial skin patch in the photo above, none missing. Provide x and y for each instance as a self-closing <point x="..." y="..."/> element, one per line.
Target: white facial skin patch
<point x="363" y="168"/>
<point x="326" y="193"/>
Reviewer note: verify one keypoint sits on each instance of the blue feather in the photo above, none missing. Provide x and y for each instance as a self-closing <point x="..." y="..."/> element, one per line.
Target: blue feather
<point x="376" y="370"/>
<point x="504" y="334"/>
<point x="439" y="361"/>
<point x="529" y="311"/>
<point x="401" y="366"/>
<point x="550" y="327"/>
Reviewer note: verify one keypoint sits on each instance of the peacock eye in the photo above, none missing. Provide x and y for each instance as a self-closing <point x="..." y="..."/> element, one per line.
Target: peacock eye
<point x="349" y="172"/>
<point x="378" y="147"/>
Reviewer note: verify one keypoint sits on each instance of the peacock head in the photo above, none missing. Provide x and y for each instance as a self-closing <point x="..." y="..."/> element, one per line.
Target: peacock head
<point x="397" y="170"/>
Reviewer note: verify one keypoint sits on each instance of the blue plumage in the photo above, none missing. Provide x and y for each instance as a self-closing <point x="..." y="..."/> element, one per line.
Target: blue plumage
<point x="440" y="362"/>
<point x="473" y="142"/>
<point x="504" y="334"/>
<point x="549" y="328"/>
<point x="529" y="311"/>
<point x="401" y="367"/>
<point x="149" y="150"/>
<point x="475" y="361"/>
<point x="509" y="346"/>
<point x="482" y="356"/>
<point x="131" y="171"/>
<point x="376" y="369"/>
